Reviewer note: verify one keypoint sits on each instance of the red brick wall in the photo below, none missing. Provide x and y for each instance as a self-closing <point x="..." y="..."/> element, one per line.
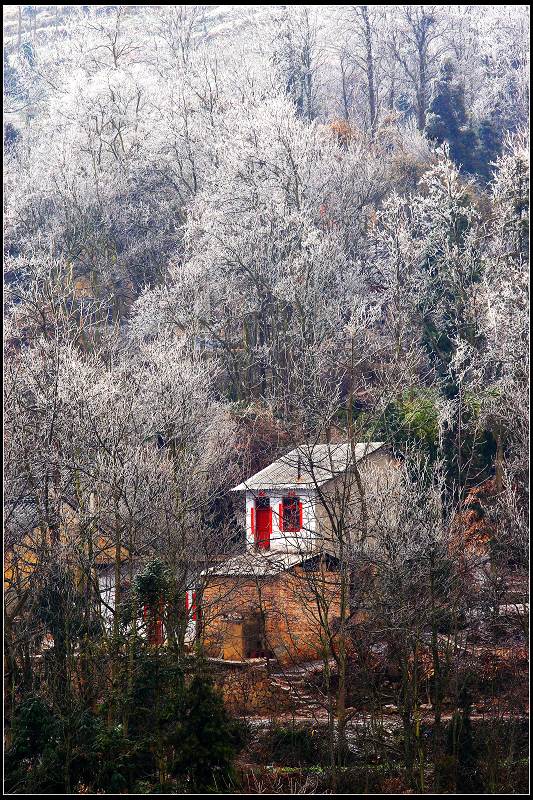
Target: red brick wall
<point x="297" y="607"/>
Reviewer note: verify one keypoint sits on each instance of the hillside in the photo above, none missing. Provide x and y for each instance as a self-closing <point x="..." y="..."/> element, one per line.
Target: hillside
<point x="266" y="395"/>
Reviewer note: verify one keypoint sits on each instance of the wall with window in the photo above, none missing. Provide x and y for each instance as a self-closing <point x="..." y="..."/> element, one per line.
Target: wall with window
<point x="290" y="529"/>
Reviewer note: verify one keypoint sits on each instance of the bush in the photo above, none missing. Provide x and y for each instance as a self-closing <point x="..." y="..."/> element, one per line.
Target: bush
<point x="179" y="738"/>
<point x="205" y="740"/>
<point x="295" y="746"/>
<point x="50" y="752"/>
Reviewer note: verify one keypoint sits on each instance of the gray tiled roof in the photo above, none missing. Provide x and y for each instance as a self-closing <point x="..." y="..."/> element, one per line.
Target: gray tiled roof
<point x="258" y="563"/>
<point x="315" y="464"/>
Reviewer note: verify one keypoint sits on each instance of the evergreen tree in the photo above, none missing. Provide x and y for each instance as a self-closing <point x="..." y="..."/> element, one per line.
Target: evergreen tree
<point x="461" y="746"/>
<point x="411" y="421"/>
<point x="490" y="138"/>
<point x="206" y="740"/>
<point x="447" y="120"/>
<point x="51" y="751"/>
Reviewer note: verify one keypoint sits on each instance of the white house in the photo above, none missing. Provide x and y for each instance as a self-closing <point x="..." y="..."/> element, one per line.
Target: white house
<point x="284" y="501"/>
<point x="298" y="509"/>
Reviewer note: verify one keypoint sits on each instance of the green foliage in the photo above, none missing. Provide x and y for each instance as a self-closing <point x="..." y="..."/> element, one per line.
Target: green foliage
<point x="296" y="746"/>
<point x="33" y="730"/>
<point x="153" y="582"/>
<point x="179" y="736"/>
<point x="490" y="139"/>
<point x="411" y="424"/>
<point x="205" y="740"/>
<point x="411" y="421"/>
<point x="116" y="760"/>
<point x="447" y="119"/>
<point x="473" y="447"/>
<point x="11" y="134"/>
<point x="472" y="147"/>
<point x="50" y="752"/>
<point x="441" y="331"/>
<point x="157" y="696"/>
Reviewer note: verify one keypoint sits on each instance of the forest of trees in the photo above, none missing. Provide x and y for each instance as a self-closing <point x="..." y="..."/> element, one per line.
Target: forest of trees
<point x="228" y="231"/>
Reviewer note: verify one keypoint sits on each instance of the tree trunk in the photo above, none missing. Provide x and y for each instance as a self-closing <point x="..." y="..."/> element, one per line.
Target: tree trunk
<point x="372" y="102"/>
<point x="498" y="465"/>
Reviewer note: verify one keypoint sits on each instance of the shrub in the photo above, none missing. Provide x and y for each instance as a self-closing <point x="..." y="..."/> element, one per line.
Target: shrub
<point x="295" y="746"/>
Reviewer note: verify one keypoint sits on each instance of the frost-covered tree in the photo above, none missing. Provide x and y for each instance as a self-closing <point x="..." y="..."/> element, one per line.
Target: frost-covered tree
<point x="229" y="231"/>
<point x="417" y="46"/>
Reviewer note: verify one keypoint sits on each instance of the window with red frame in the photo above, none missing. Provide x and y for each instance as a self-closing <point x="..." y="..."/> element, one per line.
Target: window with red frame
<point x="290" y="516"/>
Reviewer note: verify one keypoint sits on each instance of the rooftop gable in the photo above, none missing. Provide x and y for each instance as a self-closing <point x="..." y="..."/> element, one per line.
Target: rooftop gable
<point x="307" y="466"/>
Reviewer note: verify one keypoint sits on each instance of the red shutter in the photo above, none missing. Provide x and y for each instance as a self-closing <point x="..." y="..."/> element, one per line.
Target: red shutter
<point x="301" y="512"/>
<point x="190" y="606"/>
<point x="158" y="635"/>
<point x="264" y="542"/>
<point x="252" y="521"/>
<point x="269" y="532"/>
<point x="281" y="516"/>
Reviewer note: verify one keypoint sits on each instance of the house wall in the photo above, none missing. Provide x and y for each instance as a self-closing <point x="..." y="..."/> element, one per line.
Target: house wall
<point x="380" y="477"/>
<point x="282" y="540"/>
<point x="289" y="601"/>
<point x="289" y="605"/>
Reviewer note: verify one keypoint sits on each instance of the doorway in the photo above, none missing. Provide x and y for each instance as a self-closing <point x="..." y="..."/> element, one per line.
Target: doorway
<point x="254" y="638"/>
<point x="263" y="523"/>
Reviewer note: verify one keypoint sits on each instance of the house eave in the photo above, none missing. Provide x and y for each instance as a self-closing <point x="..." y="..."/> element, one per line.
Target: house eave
<point x="243" y="487"/>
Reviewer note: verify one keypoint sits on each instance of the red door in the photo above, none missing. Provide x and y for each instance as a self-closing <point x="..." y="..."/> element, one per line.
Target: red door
<point x="263" y="523"/>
